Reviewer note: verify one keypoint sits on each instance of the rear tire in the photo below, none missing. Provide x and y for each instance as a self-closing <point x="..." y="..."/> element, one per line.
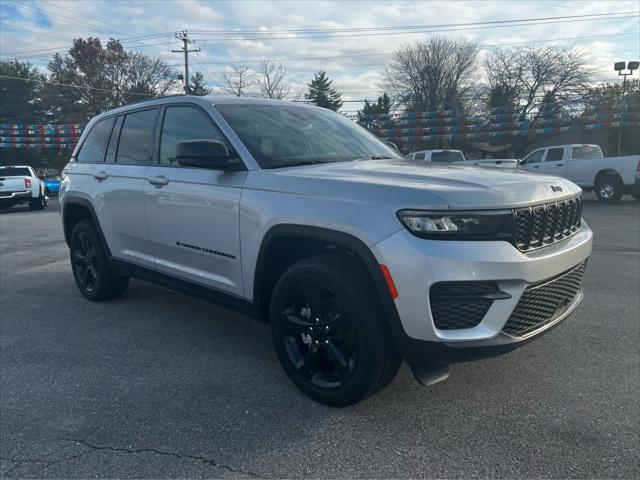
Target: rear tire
<point x="94" y="277"/>
<point x="329" y="331"/>
<point x="38" y="203"/>
<point x="609" y="189"/>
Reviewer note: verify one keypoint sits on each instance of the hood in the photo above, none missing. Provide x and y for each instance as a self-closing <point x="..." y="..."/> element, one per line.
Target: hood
<point x="423" y="185"/>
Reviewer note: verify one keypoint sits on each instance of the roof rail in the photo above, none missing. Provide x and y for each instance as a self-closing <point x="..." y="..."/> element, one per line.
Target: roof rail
<point x="155" y="98"/>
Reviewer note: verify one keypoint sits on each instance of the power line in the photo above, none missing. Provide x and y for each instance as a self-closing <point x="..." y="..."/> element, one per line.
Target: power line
<point x="372" y="54"/>
<point x="376" y="34"/>
<point x="82" y="87"/>
<point x="184" y="37"/>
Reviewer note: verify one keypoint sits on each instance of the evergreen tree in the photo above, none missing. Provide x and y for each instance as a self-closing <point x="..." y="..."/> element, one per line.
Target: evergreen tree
<point x="198" y="86"/>
<point x="322" y="94"/>
<point x="383" y="105"/>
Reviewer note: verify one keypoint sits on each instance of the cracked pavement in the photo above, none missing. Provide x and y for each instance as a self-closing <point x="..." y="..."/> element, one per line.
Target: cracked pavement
<point x="159" y="385"/>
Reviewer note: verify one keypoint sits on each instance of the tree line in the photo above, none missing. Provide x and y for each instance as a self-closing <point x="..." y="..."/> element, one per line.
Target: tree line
<point x="436" y="74"/>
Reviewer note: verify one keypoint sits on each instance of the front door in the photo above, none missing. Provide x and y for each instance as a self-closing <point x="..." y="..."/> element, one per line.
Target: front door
<point x="554" y="163"/>
<point x="193" y="214"/>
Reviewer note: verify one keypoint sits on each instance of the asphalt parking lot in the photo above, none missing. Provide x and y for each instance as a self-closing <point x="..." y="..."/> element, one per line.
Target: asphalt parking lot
<point x="159" y="385"/>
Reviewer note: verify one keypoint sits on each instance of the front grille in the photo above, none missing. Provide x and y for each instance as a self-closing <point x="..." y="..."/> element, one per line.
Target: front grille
<point x="457" y="305"/>
<point x="543" y="225"/>
<point x="541" y="304"/>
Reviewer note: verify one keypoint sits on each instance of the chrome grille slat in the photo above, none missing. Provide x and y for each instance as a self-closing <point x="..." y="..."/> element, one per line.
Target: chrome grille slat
<point x="545" y="224"/>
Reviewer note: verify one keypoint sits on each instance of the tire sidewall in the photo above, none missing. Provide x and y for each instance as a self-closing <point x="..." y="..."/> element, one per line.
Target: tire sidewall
<point x="361" y="314"/>
<point x="87" y="227"/>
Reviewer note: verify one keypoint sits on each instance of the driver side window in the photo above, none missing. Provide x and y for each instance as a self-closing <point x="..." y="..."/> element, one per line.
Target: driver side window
<point x="533" y="157"/>
<point x="182" y="124"/>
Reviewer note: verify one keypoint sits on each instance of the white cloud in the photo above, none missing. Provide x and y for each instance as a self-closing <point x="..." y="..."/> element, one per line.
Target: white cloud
<point x="359" y="74"/>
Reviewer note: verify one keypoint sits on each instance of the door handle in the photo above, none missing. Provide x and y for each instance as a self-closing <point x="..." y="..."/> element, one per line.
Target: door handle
<point x="536" y="166"/>
<point x="158" y="181"/>
<point x="559" y="164"/>
<point x="101" y="175"/>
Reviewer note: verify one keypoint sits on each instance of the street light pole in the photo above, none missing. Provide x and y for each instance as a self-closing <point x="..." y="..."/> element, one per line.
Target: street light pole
<point x="619" y="67"/>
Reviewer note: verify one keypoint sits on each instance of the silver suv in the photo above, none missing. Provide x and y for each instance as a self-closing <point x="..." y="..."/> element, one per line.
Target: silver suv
<point x="298" y="216"/>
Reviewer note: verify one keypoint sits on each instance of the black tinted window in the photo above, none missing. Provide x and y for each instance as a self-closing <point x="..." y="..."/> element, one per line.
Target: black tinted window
<point x="447" y="157"/>
<point x="182" y="124"/>
<point x="136" y="138"/>
<point x="113" y="141"/>
<point x="14" y="172"/>
<point x="554" y="154"/>
<point x="420" y="156"/>
<point x="92" y="149"/>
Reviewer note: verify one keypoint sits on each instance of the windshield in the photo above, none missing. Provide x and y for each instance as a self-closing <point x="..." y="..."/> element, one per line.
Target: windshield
<point x="447" y="157"/>
<point x="285" y="135"/>
<point x="14" y="172"/>
<point x="586" y="152"/>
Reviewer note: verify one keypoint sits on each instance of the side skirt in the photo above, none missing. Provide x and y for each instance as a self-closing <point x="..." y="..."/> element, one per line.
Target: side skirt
<point x="217" y="297"/>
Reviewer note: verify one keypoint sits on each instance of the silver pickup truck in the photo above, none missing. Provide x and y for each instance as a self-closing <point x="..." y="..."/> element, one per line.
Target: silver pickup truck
<point x="609" y="177"/>
<point x="298" y="216"/>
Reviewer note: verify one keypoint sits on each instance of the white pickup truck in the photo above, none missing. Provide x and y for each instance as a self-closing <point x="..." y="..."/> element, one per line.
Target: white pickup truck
<point x="584" y="165"/>
<point x="20" y="184"/>
<point x="456" y="156"/>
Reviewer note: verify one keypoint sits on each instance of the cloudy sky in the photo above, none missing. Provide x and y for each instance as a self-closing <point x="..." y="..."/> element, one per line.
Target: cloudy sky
<point x="350" y="40"/>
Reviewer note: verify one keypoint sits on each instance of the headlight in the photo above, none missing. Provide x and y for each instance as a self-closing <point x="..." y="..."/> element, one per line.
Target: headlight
<point x="477" y="225"/>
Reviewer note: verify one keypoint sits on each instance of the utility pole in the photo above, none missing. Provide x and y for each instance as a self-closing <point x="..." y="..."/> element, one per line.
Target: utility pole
<point x="184" y="37"/>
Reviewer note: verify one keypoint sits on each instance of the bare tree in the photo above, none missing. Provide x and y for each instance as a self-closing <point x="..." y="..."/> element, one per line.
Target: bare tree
<point x="537" y="81"/>
<point x="430" y="75"/>
<point x="238" y="80"/>
<point x="271" y="79"/>
<point x="532" y="75"/>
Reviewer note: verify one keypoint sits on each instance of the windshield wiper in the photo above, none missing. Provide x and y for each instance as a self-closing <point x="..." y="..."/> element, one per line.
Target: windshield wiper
<point x="375" y="157"/>
<point x="297" y="163"/>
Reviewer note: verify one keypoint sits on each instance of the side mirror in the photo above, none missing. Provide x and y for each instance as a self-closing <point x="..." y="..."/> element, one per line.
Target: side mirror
<point x="392" y="145"/>
<point x="203" y="154"/>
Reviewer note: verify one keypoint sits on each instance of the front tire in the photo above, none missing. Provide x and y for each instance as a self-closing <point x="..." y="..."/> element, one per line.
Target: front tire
<point x="328" y="330"/>
<point x="94" y="277"/>
<point x="609" y="189"/>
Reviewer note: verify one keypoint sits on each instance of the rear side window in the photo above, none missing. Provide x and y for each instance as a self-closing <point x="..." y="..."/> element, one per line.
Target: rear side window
<point x="136" y="138"/>
<point x="586" y="152"/>
<point x="554" y="154"/>
<point x="182" y="124"/>
<point x="420" y="156"/>
<point x="92" y="149"/>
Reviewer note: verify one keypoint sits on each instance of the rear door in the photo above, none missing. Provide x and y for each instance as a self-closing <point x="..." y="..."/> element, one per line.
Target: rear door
<point x="193" y="214"/>
<point x="120" y="183"/>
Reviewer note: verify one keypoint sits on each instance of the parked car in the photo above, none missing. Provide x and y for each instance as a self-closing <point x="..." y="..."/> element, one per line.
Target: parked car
<point x="609" y="177"/>
<point x="52" y="185"/>
<point x="297" y="215"/>
<point x="457" y="157"/>
<point x="20" y="184"/>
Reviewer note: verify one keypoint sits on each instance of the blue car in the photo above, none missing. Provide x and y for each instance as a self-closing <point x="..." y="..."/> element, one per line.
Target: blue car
<point x="52" y="185"/>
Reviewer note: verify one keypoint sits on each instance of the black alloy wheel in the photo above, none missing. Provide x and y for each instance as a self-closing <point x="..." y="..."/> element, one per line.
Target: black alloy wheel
<point x="89" y="262"/>
<point x="85" y="262"/>
<point x="319" y="339"/>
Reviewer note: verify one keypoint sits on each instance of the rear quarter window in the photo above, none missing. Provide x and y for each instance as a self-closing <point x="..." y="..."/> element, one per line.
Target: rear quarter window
<point x="92" y="149"/>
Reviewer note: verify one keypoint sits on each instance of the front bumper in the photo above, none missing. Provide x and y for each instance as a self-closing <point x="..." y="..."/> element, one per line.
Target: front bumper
<point x="416" y="264"/>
